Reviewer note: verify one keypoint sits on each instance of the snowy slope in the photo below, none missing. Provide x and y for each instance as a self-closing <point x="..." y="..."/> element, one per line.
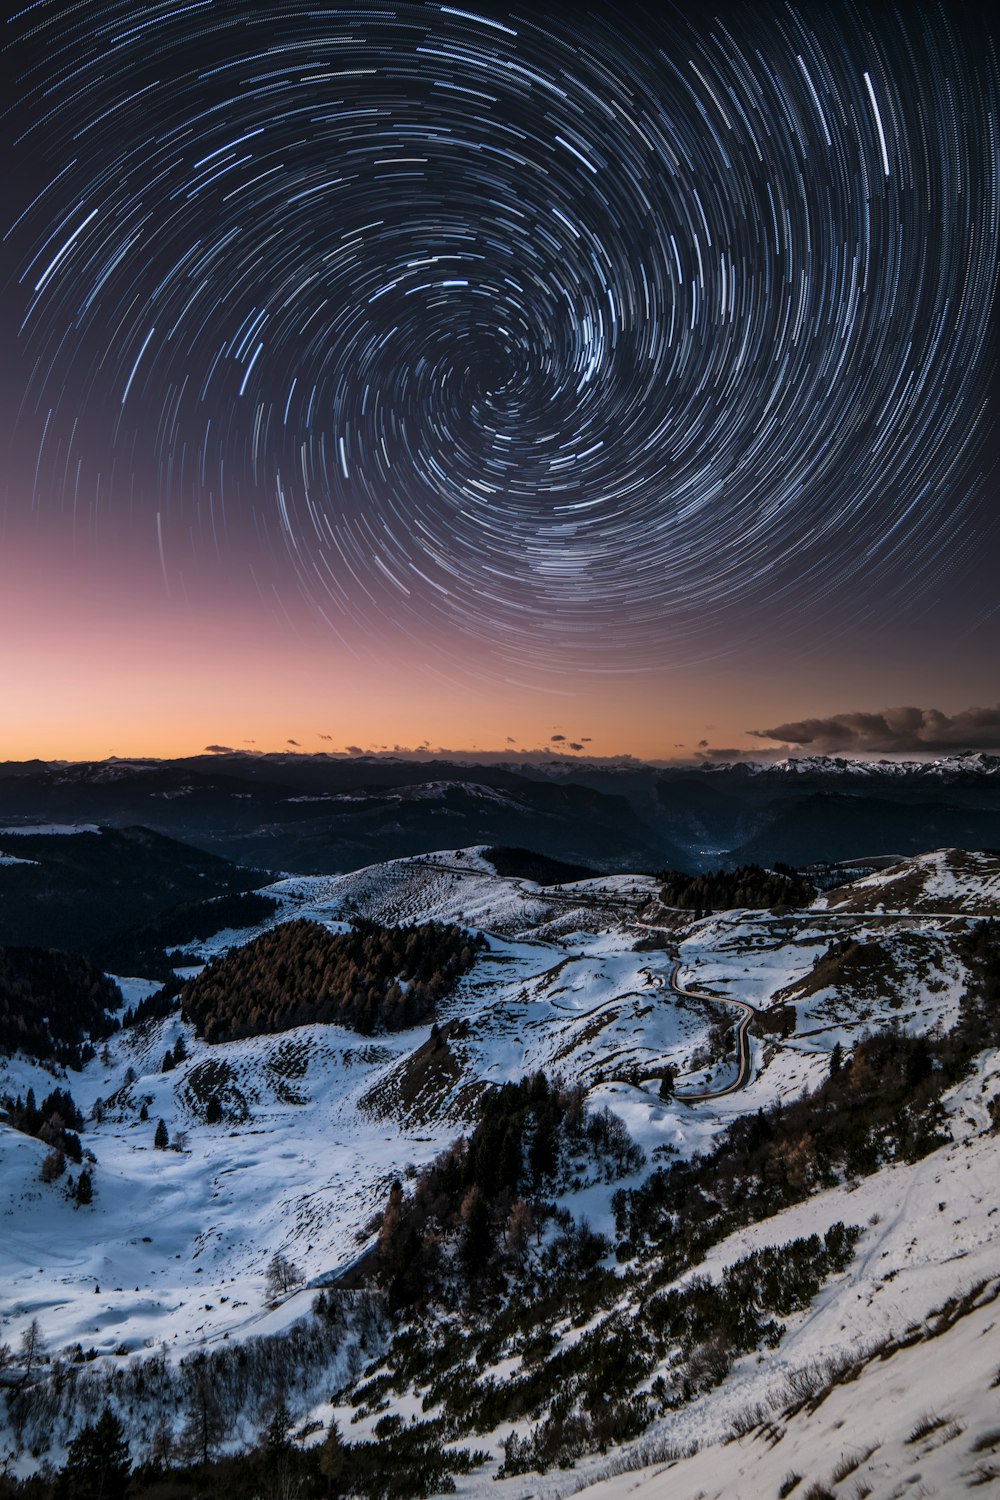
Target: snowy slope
<point x="319" y="1121"/>
<point x="931" y="1244"/>
<point x="965" y="881"/>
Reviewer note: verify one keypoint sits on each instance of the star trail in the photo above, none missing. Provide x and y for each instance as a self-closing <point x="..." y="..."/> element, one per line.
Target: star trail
<point x="572" y="335"/>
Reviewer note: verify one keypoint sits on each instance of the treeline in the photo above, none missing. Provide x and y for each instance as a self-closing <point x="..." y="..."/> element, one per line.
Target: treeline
<point x="749" y="886"/>
<point x="55" y="1121"/>
<point x="525" y="864"/>
<point x="182" y="1416"/>
<point x="881" y="1104"/>
<point x="145" y="949"/>
<point x="54" y="1005"/>
<point x="155" y="1007"/>
<point x="473" y="1210"/>
<point x="372" y="978"/>
<point x="406" y="1463"/>
<point x="980" y="1013"/>
<point x="703" y="1326"/>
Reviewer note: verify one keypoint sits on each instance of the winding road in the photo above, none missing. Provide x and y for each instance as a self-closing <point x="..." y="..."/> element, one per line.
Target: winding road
<point x="744" y="1050"/>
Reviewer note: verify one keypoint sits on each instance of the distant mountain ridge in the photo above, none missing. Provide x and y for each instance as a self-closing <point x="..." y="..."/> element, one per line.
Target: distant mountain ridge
<point x="312" y="813"/>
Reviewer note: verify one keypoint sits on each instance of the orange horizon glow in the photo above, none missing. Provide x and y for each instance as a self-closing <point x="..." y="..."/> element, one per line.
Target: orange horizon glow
<point x="99" y="659"/>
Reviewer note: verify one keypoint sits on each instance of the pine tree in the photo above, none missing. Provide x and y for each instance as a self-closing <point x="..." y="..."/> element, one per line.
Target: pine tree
<point x="333" y="1460"/>
<point x="277" y="1441"/>
<point x="98" y="1462"/>
<point x="161" y="1140"/>
<point x="84" y="1192"/>
<point x="477" y="1241"/>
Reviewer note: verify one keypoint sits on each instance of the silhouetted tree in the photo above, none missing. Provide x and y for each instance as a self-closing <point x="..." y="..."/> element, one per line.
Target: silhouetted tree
<point x="98" y="1462"/>
<point x="282" y="1275"/>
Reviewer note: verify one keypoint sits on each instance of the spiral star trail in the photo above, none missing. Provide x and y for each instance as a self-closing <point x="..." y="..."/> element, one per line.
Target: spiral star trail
<point x="586" y="336"/>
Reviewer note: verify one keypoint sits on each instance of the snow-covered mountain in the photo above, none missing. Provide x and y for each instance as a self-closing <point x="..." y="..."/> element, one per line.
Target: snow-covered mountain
<point x="169" y="1261"/>
<point x="971" y="763"/>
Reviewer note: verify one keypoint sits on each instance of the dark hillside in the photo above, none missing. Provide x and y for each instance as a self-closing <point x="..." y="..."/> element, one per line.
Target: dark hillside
<point x="525" y="864"/>
<point x="370" y="979"/>
<point x="749" y="886"/>
<point x="52" y="1004"/>
<point x="78" y="891"/>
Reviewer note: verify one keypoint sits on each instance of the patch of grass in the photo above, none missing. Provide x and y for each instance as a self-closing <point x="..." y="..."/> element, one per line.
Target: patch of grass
<point x="851" y="1461"/>
<point x="987" y="1441"/>
<point x="788" y="1484"/>
<point x="928" y="1423"/>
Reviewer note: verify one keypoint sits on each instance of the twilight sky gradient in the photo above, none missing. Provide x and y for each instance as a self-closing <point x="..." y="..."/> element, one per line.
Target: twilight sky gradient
<point x="472" y="375"/>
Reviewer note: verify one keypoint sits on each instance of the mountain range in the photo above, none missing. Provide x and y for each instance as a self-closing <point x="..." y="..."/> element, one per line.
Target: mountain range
<point x="323" y="813"/>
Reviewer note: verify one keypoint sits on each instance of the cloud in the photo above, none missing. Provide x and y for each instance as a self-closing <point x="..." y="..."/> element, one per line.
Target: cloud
<point x="293" y="742"/>
<point x="355" y="750"/>
<point x="557" y="739"/>
<point x="219" y="750"/>
<point x="575" y="746"/>
<point x="585" y="738"/>
<point x="326" y="736"/>
<point x="509" y="740"/>
<point x="703" y="744"/>
<point x="894" y="731"/>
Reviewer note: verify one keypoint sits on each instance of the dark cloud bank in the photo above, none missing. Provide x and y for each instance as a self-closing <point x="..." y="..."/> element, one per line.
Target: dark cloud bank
<point x="894" y="731"/>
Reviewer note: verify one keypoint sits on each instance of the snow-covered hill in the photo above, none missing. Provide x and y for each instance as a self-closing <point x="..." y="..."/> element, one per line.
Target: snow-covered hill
<point x="889" y="1386"/>
<point x="965" y="881"/>
<point x="318" y="1122"/>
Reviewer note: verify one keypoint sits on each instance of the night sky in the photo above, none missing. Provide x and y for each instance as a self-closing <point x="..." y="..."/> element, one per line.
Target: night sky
<point x="415" y="373"/>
